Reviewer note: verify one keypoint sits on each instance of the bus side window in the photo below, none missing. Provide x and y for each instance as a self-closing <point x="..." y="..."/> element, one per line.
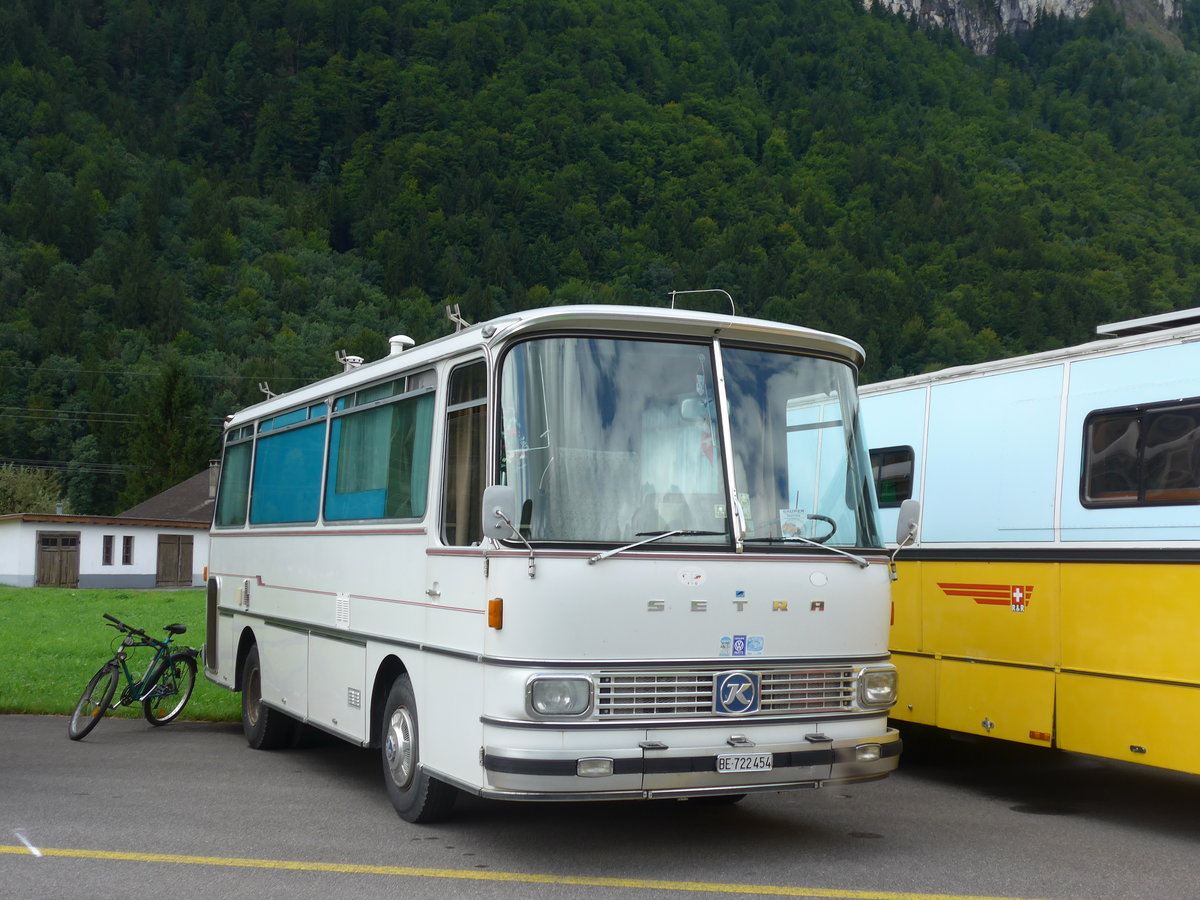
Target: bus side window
<point x="892" y="469"/>
<point x="234" y="492"/>
<point x="466" y="451"/>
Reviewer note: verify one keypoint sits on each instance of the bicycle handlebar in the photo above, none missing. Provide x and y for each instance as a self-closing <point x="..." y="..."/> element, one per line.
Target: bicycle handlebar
<point x="121" y="626"/>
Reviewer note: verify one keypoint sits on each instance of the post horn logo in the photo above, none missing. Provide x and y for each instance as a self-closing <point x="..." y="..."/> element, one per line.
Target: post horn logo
<point x="1014" y="596"/>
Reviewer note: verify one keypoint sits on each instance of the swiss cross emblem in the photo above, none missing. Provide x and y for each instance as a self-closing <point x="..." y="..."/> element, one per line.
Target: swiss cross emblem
<point x="1018" y="598"/>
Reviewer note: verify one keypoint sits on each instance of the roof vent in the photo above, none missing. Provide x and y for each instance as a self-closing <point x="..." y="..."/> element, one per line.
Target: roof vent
<point x="348" y="362"/>
<point x="399" y="343"/>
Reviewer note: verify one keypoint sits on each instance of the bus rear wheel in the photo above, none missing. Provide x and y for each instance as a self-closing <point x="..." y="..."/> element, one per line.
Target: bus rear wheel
<point x="265" y="728"/>
<point x="416" y="796"/>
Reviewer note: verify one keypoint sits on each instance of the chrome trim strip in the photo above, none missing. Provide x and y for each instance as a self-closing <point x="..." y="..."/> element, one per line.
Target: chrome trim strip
<point x="719" y="664"/>
<point x="980" y="661"/>
<point x="643" y="724"/>
<point x="365" y="636"/>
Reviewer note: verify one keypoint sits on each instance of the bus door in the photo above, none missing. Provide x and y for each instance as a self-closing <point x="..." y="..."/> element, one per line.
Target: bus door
<point x="456" y="573"/>
<point x="455" y="583"/>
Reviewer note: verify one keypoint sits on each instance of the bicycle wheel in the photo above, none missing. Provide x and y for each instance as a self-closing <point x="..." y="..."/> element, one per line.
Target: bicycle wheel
<point x="168" y="698"/>
<point x="94" y="703"/>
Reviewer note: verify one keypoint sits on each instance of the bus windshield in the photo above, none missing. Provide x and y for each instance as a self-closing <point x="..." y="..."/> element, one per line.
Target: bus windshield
<point x="613" y="440"/>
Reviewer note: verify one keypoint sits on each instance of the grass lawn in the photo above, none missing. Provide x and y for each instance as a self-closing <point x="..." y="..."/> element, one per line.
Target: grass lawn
<point x="53" y="640"/>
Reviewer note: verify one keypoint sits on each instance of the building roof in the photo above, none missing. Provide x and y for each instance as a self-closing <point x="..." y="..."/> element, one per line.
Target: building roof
<point x="191" y="501"/>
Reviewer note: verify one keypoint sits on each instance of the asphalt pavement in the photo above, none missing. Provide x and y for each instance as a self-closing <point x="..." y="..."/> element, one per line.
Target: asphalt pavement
<point x="188" y="810"/>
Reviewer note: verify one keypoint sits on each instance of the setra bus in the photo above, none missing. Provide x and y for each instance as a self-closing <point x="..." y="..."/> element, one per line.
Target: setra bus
<point x="1050" y="598"/>
<point x="592" y="552"/>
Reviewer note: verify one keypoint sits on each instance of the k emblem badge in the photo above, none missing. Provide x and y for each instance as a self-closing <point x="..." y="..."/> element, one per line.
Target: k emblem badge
<point x="736" y="693"/>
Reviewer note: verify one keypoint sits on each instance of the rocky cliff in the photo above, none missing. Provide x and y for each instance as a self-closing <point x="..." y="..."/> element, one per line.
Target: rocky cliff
<point x="979" y="22"/>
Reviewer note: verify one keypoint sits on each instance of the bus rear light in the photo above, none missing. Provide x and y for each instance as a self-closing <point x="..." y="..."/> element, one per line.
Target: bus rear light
<point x="495" y="613"/>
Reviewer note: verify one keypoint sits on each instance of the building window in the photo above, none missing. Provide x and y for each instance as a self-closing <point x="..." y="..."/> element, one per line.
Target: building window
<point x="127" y="550"/>
<point x="108" y="550"/>
<point x="1142" y="455"/>
<point x="892" y="469"/>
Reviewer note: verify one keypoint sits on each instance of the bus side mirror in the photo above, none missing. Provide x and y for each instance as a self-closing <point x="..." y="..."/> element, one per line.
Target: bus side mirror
<point x="906" y="524"/>
<point x="906" y="531"/>
<point x="500" y="512"/>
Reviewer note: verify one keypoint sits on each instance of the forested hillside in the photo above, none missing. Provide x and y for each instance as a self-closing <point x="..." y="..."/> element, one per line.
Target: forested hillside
<point x="196" y="198"/>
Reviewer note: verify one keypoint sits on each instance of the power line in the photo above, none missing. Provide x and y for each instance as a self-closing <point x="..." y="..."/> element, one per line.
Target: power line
<point x="87" y="418"/>
<point x="143" y="373"/>
<point x="58" y="465"/>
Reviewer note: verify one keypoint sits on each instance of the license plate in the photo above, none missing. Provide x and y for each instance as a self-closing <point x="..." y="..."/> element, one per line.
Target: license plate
<point x="732" y="763"/>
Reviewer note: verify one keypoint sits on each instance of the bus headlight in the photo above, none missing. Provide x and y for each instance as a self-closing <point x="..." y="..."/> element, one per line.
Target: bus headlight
<point x="558" y="695"/>
<point x="877" y="688"/>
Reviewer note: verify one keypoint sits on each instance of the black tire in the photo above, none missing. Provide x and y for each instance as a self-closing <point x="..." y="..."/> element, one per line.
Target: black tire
<point x="94" y="702"/>
<point x="416" y="796"/>
<point x="174" y="689"/>
<point x="265" y="728"/>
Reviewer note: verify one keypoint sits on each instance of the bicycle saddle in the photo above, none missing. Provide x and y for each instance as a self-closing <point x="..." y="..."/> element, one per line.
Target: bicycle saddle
<point x="175" y="628"/>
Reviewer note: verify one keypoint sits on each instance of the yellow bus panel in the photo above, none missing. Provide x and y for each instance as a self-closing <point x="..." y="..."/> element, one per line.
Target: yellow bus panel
<point x="1137" y="721"/>
<point x="906" y="609"/>
<point x="916" y="700"/>
<point x="1007" y="612"/>
<point x="1009" y="702"/>
<point x="1137" y="620"/>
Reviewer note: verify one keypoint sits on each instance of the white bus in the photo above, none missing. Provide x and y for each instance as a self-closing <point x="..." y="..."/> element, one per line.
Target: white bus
<point x="590" y="552"/>
<point x="1051" y="597"/>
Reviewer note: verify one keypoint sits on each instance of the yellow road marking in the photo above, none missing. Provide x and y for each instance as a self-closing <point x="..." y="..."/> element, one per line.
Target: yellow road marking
<point x="647" y="884"/>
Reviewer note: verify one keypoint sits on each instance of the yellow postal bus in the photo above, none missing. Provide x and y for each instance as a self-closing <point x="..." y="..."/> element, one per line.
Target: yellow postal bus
<point x="1053" y="594"/>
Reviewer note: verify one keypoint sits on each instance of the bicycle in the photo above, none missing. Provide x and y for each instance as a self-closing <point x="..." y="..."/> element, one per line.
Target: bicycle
<point x="163" y="690"/>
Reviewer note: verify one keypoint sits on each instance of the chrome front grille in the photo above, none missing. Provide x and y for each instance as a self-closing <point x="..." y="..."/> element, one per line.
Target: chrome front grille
<point x="670" y="693"/>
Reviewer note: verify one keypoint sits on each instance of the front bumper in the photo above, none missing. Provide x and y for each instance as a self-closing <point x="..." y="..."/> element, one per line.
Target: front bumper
<point x="683" y="763"/>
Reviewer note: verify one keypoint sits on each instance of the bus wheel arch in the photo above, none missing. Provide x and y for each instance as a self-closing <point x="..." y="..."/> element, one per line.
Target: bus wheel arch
<point x="416" y="796"/>
<point x="389" y="670"/>
<point x="245" y="643"/>
<point x="265" y="728"/>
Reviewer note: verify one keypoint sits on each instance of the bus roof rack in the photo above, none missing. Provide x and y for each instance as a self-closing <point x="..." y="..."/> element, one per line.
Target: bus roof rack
<point x="1147" y="324"/>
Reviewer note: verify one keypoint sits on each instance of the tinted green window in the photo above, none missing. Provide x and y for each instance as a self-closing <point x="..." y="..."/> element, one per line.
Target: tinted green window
<point x="287" y="476"/>
<point x="379" y="461"/>
<point x="235" y="485"/>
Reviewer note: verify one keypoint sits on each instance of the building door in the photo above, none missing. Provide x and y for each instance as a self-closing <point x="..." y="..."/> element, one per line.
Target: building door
<point x="58" y="559"/>
<point x="174" y="561"/>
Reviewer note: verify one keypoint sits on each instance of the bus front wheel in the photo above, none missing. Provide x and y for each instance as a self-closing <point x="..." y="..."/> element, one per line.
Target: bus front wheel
<point x="416" y="796"/>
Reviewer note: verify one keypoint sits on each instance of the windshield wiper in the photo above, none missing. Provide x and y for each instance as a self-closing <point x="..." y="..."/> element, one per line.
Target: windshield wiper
<point x="652" y="537"/>
<point x="803" y="540"/>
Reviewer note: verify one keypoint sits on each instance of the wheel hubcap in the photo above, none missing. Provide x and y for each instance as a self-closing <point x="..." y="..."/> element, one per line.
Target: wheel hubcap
<point x="253" y="698"/>
<point x="398" y="747"/>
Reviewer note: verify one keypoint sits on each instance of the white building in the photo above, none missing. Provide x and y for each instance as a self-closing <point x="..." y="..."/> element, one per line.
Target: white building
<point x="161" y="543"/>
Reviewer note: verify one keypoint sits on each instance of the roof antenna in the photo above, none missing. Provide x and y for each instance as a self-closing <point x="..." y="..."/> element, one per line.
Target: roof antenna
<point x="266" y="389"/>
<point x="455" y="316"/>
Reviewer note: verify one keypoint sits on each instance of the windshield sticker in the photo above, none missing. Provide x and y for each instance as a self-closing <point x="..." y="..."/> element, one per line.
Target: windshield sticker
<point x="792" y="522"/>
